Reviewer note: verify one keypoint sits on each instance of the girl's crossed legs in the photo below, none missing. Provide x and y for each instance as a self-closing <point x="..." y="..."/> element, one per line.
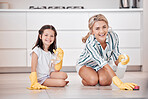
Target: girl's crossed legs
<point x="57" y="79"/>
<point x="91" y="78"/>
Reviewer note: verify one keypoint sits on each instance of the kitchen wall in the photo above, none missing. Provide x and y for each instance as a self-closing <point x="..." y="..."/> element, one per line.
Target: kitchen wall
<point x="145" y="36"/>
<point x="88" y="4"/>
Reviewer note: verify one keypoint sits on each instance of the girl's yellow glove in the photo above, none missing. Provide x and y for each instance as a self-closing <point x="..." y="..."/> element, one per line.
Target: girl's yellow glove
<point x="34" y="82"/>
<point x="121" y="85"/>
<point x="124" y="59"/>
<point x="59" y="55"/>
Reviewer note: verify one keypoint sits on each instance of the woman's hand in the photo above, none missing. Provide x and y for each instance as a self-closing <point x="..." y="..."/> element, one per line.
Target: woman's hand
<point x="124" y="59"/>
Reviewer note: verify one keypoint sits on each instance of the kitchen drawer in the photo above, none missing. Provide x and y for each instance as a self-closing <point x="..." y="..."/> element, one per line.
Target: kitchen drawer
<point x="71" y="39"/>
<point x="129" y="38"/>
<point x="12" y="39"/>
<point x="134" y="54"/>
<point x="71" y="56"/>
<point x="31" y="38"/>
<point x="12" y="58"/>
<point x="29" y="58"/>
<point x="122" y="20"/>
<point x="12" y="21"/>
<point x="60" y="20"/>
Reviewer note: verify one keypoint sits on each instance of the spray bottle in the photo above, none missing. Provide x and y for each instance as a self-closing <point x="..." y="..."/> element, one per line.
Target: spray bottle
<point x="123" y="60"/>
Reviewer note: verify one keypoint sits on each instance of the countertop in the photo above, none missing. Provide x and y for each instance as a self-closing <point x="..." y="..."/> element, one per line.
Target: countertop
<point x="71" y="10"/>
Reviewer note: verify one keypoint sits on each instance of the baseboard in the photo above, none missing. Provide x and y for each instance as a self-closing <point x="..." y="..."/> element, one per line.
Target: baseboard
<point x="137" y="68"/>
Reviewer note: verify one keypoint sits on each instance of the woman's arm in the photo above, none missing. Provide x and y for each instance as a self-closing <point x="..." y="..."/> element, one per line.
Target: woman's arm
<point x="117" y="62"/>
<point x="116" y="51"/>
<point x="34" y="62"/>
<point x="109" y="70"/>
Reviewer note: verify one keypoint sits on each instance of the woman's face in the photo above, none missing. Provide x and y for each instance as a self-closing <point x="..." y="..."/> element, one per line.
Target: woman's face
<point x="100" y="29"/>
<point x="47" y="37"/>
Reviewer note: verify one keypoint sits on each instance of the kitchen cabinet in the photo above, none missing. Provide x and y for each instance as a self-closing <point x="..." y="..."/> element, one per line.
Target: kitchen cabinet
<point x="71" y="26"/>
<point x="12" y="58"/>
<point x="61" y="20"/>
<point x="12" y="20"/>
<point x="122" y="20"/>
<point x="12" y="39"/>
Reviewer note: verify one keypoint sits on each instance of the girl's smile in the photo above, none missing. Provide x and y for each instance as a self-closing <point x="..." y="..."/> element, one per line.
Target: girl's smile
<point x="47" y="38"/>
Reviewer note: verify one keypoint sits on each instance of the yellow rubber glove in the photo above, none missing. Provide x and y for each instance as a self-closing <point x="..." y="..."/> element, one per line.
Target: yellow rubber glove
<point x="34" y="82"/>
<point x="121" y="85"/>
<point x="124" y="59"/>
<point x="60" y="55"/>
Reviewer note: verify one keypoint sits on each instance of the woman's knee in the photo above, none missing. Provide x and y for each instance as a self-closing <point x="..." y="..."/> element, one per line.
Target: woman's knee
<point x="92" y="81"/>
<point x="89" y="75"/>
<point x="105" y="81"/>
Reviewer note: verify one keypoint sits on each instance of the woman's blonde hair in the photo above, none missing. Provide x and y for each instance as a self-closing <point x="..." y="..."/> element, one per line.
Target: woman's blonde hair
<point x="92" y="20"/>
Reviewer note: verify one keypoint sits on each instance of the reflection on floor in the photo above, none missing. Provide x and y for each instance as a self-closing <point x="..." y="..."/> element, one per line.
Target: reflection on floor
<point x="13" y="86"/>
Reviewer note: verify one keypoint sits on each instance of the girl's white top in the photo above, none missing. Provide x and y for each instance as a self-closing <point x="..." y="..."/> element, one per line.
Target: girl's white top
<point x="44" y="62"/>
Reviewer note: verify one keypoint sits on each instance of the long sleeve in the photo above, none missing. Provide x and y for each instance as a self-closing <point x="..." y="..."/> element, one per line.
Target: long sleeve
<point x="116" y="51"/>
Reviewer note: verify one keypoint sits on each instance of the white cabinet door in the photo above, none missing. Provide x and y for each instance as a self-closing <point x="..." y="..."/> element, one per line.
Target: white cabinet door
<point x="71" y="39"/>
<point x="28" y="58"/>
<point x="31" y="38"/>
<point x="12" y="58"/>
<point x="12" y="39"/>
<point x="122" y="20"/>
<point x="134" y="54"/>
<point x="129" y="39"/>
<point x="71" y="56"/>
<point x="60" y="20"/>
<point x="12" y="21"/>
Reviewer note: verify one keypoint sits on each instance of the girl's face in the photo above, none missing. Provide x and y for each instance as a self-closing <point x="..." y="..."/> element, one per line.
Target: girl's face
<point x="100" y="29"/>
<point x="47" y="37"/>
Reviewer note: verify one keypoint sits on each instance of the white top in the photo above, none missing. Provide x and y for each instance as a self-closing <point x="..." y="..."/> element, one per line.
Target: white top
<point x="44" y="62"/>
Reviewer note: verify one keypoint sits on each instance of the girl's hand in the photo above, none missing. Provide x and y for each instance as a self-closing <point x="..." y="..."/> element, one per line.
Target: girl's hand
<point x="60" y="54"/>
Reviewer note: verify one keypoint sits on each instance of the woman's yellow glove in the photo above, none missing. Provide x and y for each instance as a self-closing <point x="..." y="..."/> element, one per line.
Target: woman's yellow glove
<point x="59" y="55"/>
<point x="121" y="85"/>
<point x="124" y="59"/>
<point x="34" y="82"/>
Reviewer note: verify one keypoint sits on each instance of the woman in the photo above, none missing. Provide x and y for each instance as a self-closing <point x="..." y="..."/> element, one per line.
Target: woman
<point x="101" y="48"/>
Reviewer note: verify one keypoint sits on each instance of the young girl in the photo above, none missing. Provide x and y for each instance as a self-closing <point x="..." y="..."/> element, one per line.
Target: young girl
<point x="42" y="74"/>
<point x="101" y="48"/>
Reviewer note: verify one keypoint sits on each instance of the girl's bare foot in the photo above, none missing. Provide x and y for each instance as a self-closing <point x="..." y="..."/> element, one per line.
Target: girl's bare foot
<point x="67" y="82"/>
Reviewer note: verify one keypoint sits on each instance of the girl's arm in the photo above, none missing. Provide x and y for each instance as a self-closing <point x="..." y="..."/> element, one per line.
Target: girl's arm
<point x="34" y="62"/>
<point x="33" y="75"/>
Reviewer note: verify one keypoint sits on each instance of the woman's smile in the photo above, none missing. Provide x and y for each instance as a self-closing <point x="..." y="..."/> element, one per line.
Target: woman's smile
<point x="100" y="30"/>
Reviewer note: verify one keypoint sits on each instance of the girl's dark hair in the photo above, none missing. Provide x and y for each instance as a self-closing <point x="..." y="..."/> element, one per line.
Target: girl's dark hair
<point x="39" y="42"/>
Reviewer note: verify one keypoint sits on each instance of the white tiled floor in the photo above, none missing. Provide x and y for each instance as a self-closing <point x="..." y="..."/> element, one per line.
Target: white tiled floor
<point x="13" y="86"/>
